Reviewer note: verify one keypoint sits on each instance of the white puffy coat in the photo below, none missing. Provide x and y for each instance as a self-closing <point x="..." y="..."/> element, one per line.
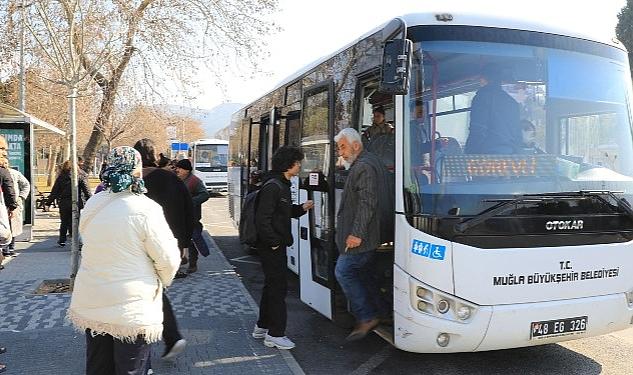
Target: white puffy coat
<point x="129" y="254"/>
<point x="22" y="189"/>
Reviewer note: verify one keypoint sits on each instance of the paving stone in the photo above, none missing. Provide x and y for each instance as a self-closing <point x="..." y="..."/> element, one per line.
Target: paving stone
<point x="215" y="315"/>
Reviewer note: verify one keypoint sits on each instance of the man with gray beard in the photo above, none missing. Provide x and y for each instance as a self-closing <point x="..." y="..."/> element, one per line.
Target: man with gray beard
<point x="358" y="232"/>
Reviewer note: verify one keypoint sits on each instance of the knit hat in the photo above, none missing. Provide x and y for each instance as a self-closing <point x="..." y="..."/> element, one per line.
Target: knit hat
<point x="184" y="164"/>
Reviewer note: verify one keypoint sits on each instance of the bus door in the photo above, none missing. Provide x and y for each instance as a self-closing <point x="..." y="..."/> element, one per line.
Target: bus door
<point x="251" y="159"/>
<point x="290" y="134"/>
<point x="265" y="144"/>
<point x="258" y="159"/>
<point x="274" y="137"/>
<point x="316" y="263"/>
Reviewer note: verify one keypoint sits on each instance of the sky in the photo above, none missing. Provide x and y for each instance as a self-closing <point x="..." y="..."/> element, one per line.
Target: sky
<point x="313" y="29"/>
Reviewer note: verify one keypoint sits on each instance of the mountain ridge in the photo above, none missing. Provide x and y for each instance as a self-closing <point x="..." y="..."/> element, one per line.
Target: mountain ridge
<point x="212" y="120"/>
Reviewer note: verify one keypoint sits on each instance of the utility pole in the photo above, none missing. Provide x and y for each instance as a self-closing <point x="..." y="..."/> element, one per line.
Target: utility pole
<point x="74" y="249"/>
<point x="22" y="102"/>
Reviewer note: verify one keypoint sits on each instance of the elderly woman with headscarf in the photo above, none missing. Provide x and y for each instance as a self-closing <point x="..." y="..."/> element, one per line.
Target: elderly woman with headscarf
<point x="129" y="254"/>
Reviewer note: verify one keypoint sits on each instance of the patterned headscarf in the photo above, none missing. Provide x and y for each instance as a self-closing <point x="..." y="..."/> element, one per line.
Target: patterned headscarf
<point x="124" y="165"/>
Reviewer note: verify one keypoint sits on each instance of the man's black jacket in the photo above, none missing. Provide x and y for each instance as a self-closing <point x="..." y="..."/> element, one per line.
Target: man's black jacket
<point x="274" y="211"/>
<point x="166" y="189"/>
<point x="10" y="196"/>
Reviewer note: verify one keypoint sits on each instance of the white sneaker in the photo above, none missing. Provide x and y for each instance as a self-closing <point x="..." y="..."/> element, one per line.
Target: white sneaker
<point x="259" y="333"/>
<point x="278" y="342"/>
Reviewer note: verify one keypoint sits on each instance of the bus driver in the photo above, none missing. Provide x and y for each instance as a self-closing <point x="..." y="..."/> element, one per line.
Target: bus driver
<point x="494" y="117"/>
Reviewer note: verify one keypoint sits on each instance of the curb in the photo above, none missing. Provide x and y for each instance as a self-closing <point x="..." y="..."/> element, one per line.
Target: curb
<point x="285" y="354"/>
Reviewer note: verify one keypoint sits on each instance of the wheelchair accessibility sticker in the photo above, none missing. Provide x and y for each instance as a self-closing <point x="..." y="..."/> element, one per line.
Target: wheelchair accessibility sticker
<point x="428" y="250"/>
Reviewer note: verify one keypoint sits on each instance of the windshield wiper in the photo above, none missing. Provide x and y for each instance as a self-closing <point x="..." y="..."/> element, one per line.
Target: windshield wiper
<point x="622" y="203"/>
<point x="497" y="208"/>
<point x="536" y="198"/>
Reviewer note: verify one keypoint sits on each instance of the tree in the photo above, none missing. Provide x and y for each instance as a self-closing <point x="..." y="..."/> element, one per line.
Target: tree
<point x="624" y="28"/>
<point x="158" y="45"/>
<point x="149" y="122"/>
<point x="47" y="101"/>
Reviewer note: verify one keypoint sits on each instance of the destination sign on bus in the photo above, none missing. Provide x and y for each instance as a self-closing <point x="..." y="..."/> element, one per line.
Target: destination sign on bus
<point x="476" y="165"/>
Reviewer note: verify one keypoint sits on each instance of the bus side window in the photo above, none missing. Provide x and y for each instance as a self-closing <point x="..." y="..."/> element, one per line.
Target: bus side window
<point x="376" y="119"/>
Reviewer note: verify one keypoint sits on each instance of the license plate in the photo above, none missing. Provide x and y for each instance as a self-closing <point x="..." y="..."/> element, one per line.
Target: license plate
<point x="559" y="327"/>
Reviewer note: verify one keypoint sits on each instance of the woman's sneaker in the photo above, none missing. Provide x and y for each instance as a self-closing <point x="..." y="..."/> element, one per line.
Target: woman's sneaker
<point x="259" y="333"/>
<point x="278" y="342"/>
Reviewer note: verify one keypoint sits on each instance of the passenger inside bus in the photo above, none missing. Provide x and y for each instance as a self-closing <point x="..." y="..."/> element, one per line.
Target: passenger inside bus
<point x="421" y="147"/>
<point x="378" y="127"/>
<point x="495" y="116"/>
<point x="528" y="132"/>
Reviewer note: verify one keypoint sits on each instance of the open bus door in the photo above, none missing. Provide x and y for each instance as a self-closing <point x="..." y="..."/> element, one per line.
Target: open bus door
<point x="291" y="131"/>
<point x="316" y="262"/>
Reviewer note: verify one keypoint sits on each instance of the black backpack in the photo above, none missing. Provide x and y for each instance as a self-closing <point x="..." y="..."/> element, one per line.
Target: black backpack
<point x="248" y="228"/>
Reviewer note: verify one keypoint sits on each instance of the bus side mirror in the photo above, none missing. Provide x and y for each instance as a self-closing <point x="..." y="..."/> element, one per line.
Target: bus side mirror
<point x="394" y="72"/>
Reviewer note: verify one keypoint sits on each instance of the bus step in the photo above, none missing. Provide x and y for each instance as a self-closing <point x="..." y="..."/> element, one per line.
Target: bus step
<point x="386" y="332"/>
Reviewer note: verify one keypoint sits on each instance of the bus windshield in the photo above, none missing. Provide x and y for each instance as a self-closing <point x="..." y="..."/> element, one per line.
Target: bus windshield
<point x="210" y="156"/>
<point x="493" y="120"/>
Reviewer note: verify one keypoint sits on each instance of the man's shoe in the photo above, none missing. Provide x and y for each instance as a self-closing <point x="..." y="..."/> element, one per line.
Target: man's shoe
<point x="3" y="350"/>
<point x="362" y="329"/>
<point x="184" y="261"/>
<point x="191" y="269"/>
<point x="10" y="253"/>
<point x="278" y="342"/>
<point x="174" y="350"/>
<point x="259" y="333"/>
<point x="180" y="275"/>
<point x="61" y="244"/>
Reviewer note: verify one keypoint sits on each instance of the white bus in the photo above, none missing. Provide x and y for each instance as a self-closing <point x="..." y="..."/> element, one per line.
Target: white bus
<point x="209" y="160"/>
<point x="495" y="247"/>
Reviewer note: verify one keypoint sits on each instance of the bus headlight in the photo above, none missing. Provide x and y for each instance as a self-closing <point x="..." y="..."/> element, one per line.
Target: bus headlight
<point x="443" y="306"/>
<point x="430" y="301"/>
<point x="420" y="292"/>
<point x="463" y="312"/>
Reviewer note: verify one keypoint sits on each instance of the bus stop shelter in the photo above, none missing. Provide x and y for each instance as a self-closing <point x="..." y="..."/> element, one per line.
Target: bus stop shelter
<point x="20" y="130"/>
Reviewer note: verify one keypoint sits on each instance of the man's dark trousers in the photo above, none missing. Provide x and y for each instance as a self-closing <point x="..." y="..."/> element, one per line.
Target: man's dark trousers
<point x="272" y="307"/>
<point x="106" y="355"/>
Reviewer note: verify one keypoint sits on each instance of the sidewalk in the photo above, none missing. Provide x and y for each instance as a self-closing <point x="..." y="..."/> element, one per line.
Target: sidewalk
<point x="215" y="314"/>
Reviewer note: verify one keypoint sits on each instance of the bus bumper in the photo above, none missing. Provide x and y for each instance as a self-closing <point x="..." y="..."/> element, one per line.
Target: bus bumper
<point x="495" y="327"/>
<point x="211" y="188"/>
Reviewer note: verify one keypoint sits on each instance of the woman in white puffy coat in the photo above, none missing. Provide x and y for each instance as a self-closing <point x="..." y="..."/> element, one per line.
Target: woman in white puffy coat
<point x="129" y="254"/>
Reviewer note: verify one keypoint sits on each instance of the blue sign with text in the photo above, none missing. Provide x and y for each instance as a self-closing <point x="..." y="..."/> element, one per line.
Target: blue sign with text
<point x="428" y="250"/>
<point x="178" y="146"/>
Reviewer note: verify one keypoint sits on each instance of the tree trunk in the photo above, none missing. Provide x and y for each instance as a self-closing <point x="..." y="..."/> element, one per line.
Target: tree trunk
<point x="97" y="137"/>
<point x="52" y="163"/>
